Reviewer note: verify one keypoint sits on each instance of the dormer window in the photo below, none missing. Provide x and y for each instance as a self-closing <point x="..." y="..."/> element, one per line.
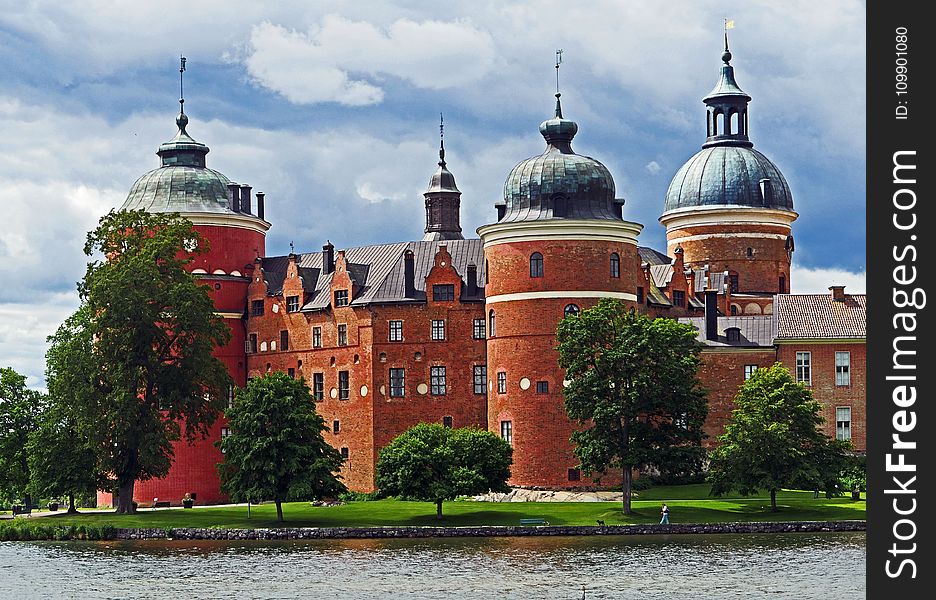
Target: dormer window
<point x="733" y="334"/>
<point x="443" y="293"/>
<point x="341" y="298"/>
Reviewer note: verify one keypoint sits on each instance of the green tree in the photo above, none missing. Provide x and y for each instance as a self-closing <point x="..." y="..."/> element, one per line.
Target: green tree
<point x="431" y="463"/>
<point x="774" y="440"/>
<point x="276" y="450"/>
<point x="20" y="408"/>
<point x="62" y="459"/>
<point x="136" y="358"/>
<point x="633" y="390"/>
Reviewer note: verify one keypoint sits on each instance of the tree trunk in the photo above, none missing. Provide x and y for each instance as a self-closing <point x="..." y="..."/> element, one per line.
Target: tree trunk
<point x="279" y="511"/>
<point x="71" y="504"/>
<point x="438" y="509"/>
<point x="125" y="496"/>
<point x="626" y="476"/>
<point x="27" y="501"/>
<point x="773" y="500"/>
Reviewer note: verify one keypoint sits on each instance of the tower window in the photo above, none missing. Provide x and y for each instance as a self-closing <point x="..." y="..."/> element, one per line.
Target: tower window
<point x="444" y="292"/>
<point x="536" y="265"/>
<point x="478" y="329"/>
<point x="640" y="295"/>
<point x="542" y="387"/>
<point x="491" y="331"/>
<point x="571" y="309"/>
<point x="344" y="453"/>
<point x="782" y="284"/>
<point x="501" y="382"/>
<point x="256" y="308"/>
<point x="341" y="298"/>
<point x="615" y="265"/>
<point x="292" y="303"/>
<point x="507" y="431"/>
<point x="750" y="252"/>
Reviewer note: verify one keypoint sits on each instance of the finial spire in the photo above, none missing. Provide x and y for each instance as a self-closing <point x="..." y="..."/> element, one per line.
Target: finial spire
<point x="726" y="55"/>
<point x="441" y="141"/>
<point x="292" y="248"/>
<point x="181" y="90"/>
<point x="558" y="94"/>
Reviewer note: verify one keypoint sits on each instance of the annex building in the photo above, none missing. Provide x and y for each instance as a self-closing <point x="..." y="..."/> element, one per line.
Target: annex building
<point x="460" y="330"/>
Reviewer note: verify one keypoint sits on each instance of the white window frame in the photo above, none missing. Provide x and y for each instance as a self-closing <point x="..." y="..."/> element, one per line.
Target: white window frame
<point x="437" y="330"/>
<point x="507" y="431"/>
<point x="843" y="376"/>
<point x="843" y="433"/>
<point x="804" y="368"/>
<point x="749" y="371"/>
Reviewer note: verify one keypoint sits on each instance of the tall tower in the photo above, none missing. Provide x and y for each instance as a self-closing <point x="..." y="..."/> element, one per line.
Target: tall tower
<point x="443" y="201"/>
<point x="222" y="211"/>
<point x="559" y="244"/>
<point x="729" y="207"/>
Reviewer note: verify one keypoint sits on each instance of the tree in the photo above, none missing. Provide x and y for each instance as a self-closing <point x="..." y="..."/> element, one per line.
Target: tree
<point x="774" y="439"/>
<point x="62" y="459"/>
<point x="136" y="358"/>
<point x="634" y="391"/>
<point x="20" y="408"/>
<point x="275" y="450"/>
<point x="431" y="463"/>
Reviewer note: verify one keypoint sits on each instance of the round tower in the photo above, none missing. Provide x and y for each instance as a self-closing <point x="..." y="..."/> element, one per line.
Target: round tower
<point x="223" y="212"/>
<point x="559" y="244"/>
<point x="729" y="207"/>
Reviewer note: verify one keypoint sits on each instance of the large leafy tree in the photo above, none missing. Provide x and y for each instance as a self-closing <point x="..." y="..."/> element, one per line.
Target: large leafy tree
<point x="633" y="390"/>
<point x="136" y="359"/>
<point x="20" y="408"/>
<point x="431" y="463"/>
<point x="275" y="450"/>
<point x="62" y="458"/>
<point x="774" y="440"/>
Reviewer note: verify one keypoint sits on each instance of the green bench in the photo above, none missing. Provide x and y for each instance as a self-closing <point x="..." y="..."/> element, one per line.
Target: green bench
<point x="534" y="522"/>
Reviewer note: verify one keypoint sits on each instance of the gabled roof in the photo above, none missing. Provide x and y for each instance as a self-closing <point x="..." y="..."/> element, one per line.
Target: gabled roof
<point x="756" y="331"/>
<point x="661" y="274"/>
<point x="653" y="257"/>
<point x="818" y="316"/>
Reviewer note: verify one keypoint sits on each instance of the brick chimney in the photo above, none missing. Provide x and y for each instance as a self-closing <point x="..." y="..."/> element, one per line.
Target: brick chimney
<point x="711" y="314"/>
<point x="245" y="199"/>
<point x="409" y="274"/>
<point x="328" y="258"/>
<point x="233" y="195"/>
<point x="472" y="274"/>
<point x="260" y="197"/>
<point x="838" y="293"/>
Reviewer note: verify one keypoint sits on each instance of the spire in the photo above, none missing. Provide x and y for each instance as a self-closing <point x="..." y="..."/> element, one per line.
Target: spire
<point x="559" y="131"/>
<point x="443" y="199"/>
<point x="441" y="142"/>
<point x="558" y="94"/>
<point x="727" y="114"/>
<point x="182" y="150"/>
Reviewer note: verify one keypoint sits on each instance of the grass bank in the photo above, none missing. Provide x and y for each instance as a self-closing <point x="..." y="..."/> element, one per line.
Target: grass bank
<point x="688" y="504"/>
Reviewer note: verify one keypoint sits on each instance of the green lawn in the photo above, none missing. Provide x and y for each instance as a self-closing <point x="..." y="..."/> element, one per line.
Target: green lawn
<point x="688" y="504"/>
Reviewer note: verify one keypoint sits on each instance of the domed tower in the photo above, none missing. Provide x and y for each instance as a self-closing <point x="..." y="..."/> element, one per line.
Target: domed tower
<point x="443" y="201"/>
<point x="729" y="207"/>
<point x="559" y="244"/>
<point x="222" y="211"/>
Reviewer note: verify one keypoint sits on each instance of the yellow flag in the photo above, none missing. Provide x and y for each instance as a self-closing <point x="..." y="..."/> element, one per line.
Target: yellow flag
<point x="729" y="24"/>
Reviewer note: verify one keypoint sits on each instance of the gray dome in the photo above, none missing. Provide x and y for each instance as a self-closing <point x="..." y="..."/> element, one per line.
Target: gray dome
<point x="559" y="183"/>
<point x="728" y="175"/>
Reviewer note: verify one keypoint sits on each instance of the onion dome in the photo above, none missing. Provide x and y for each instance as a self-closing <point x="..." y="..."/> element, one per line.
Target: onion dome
<point x="728" y="171"/>
<point x="559" y="183"/>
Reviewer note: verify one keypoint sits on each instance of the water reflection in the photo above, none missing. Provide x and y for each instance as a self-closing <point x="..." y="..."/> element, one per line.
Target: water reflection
<point x="637" y="567"/>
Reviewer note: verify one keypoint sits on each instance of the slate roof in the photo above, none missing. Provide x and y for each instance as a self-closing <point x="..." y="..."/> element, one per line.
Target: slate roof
<point x="661" y="275"/>
<point x="653" y="257"/>
<point x="757" y="331"/>
<point x="378" y="271"/>
<point x="818" y="316"/>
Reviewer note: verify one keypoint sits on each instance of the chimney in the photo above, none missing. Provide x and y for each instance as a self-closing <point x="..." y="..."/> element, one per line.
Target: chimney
<point x="711" y="314"/>
<point x="409" y="274"/>
<point x="245" y="198"/>
<point x="260" y="197"/>
<point x="501" y="210"/>
<point x="233" y="197"/>
<point x="472" y="280"/>
<point x="328" y="258"/>
<point x="619" y="207"/>
<point x="838" y="293"/>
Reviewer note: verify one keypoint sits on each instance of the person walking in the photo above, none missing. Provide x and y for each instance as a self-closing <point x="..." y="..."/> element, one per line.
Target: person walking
<point x="665" y="513"/>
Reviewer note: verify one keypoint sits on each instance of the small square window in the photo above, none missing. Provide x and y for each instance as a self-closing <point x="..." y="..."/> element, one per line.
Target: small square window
<point x="291" y="372"/>
<point x="438" y="330"/>
<point x="256" y="308"/>
<point x="447" y="422"/>
<point x="341" y="298"/>
<point x="575" y="475"/>
<point x="679" y="298"/>
<point x="345" y="453"/>
<point x="749" y="371"/>
<point x="396" y="331"/>
<point x="442" y="293"/>
<point x="292" y="303"/>
<point x="542" y="387"/>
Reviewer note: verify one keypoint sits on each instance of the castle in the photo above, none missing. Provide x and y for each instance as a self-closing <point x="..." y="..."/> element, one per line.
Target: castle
<point x="462" y="331"/>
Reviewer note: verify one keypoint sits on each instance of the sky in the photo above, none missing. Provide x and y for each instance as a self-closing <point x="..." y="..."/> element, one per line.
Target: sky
<point x="332" y="110"/>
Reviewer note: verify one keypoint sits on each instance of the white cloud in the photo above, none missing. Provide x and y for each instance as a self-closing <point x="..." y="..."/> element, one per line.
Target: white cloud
<point x="652" y="167"/>
<point x="817" y="281"/>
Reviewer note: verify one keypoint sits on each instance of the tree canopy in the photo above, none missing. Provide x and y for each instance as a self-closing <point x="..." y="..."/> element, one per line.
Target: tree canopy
<point x="62" y="458"/>
<point x="633" y="389"/>
<point x="432" y="463"/>
<point x="275" y="450"/>
<point x="20" y="408"/>
<point x="774" y="440"/>
<point x="136" y="358"/>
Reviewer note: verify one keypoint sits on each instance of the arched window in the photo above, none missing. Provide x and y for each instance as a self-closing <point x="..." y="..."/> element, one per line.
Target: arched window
<point x="560" y="206"/>
<point x="735" y="309"/>
<point x="487" y="272"/>
<point x="571" y="309"/>
<point x="536" y="265"/>
<point x="615" y="265"/>
<point x="733" y="126"/>
<point x="491" y="330"/>
<point x="719" y="121"/>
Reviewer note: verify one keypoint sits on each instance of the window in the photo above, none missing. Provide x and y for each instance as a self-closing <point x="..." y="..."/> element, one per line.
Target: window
<point x="571" y="309"/>
<point x="733" y="280"/>
<point x="640" y="295"/>
<point x="341" y="298"/>
<point x="344" y="453"/>
<point x="733" y="334"/>
<point x="615" y="265"/>
<point x="542" y="387"/>
<point x="292" y="303"/>
<point x="438" y="330"/>
<point x="437" y="381"/>
<point x="396" y="331"/>
<point x="342" y="335"/>
<point x="843" y="368"/>
<point x="318" y="386"/>
<point x="501" y="382"/>
<point x="225" y="432"/>
<point x="749" y="371"/>
<point x="480" y="379"/>
<point x="734" y="309"/>
<point x="291" y="372"/>
<point x="256" y="308"/>
<point x="491" y="329"/>
<point x="232" y="392"/>
<point x="284" y="340"/>
<point x="536" y="265"/>
<point x="336" y="426"/>
<point x="507" y="431"/>
<point x="679" y="298"/>
<point x="397" y="383"/>
<point x="843" y="423"/>
<point x="447" y="422"/>
<point x="344" y="385"/>
<point x="782" y="284"/>
<point x="575" y="475"/>
<point x="804" y="367"/>
<point x="750" y="252"/>
<point x="252" y="342"/>
<point x="441" y="293"/>
<point x="478" y="329"/>
<point x="316" y="337"/>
